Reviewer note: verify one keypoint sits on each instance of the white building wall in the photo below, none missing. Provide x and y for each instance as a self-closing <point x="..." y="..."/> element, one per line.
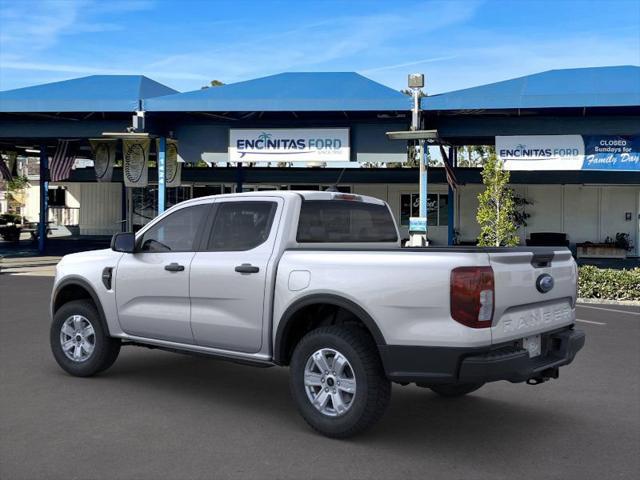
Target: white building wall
<point x="586" y="213"/>
<point x="100" y="208"/>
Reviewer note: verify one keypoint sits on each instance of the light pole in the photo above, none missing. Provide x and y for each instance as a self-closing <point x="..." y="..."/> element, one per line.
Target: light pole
<point x="418" y="225"/>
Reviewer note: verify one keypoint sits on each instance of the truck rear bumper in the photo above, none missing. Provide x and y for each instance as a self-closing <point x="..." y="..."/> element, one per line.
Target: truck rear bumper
<point x="432" y="365"/>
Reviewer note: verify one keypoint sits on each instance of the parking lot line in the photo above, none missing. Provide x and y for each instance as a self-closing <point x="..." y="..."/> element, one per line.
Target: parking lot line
<point x="590" y="321"/>
<point x="628" y="312"/>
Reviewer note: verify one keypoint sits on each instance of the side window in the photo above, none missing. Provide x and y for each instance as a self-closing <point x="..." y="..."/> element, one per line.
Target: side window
<point x="177" y="232"/>
<point x="241" y="225"/>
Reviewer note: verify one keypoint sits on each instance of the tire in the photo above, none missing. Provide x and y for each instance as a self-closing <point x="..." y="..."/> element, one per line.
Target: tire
<point x="455" y="389"/>
<point x="78" y="316"/>
<point x="363" y="369"/>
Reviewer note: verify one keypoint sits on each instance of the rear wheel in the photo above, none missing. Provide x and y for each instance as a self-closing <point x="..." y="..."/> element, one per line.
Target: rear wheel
<point x="79" y="341"/>
<point x="338" y="382"/>
<point x="455" y="389"/>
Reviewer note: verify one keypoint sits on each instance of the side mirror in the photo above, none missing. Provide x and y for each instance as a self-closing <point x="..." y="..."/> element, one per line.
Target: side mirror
<point x="123" y="242"/>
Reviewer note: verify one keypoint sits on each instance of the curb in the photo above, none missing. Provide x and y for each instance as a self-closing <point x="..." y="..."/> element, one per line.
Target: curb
<point x="602" y="301"/>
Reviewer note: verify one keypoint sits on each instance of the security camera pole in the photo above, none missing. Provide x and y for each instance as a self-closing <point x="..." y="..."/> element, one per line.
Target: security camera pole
<point x="418" y="225"/>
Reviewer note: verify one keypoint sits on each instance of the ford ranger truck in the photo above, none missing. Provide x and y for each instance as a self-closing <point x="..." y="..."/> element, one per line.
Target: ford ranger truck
<point x="318" y="282"/>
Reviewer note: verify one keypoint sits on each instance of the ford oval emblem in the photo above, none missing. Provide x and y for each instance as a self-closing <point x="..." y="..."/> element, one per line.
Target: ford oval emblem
<point x="544" y="283"/>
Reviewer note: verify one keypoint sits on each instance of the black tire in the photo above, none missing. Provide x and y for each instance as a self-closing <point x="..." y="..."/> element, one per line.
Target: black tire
<point x="105" y="351"/>
<point x="455" y="389"/>
<point x="373" y="389"/>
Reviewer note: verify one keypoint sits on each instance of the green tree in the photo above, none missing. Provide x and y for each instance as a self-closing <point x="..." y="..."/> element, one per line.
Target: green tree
<point x="497" y="208"/>
<point x="213" y="83"/>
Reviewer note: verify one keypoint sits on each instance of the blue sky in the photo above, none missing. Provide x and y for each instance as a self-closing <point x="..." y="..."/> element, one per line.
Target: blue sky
<point x="184" y="44"/>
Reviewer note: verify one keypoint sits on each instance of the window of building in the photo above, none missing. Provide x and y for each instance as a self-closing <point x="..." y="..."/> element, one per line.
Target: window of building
<point x="57" y="197"/>
<point x="176" y="232"/>
<point x="329" y="221"/>
<point x="437" y="212"/>
<point x="240" y="226"/>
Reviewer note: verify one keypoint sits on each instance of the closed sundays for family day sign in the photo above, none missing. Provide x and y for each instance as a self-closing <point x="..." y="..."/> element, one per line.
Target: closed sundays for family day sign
<point x="569" y="152"/>
<point x="289" y="145"/>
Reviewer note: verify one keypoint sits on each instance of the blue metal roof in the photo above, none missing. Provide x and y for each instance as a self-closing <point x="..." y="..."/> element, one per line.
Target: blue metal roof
<point x="96" y="93"/>
<point x="298" y="92"/>
<point x="577" y="87"/>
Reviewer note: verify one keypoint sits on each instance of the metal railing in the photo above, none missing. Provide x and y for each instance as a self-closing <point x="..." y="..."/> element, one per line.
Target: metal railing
<point x="64" y="215"/>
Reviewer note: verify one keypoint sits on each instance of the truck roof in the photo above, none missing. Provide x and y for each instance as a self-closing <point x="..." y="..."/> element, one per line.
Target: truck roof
<point x="305" y="194"/>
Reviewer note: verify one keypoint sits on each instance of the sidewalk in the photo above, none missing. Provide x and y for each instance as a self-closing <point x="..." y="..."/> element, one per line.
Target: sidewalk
<point x="41" y="266"/>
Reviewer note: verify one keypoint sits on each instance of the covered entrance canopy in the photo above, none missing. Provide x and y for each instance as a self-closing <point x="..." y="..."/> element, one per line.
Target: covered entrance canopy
<point x="603" y="101"/>
<point x="36" y="118"/>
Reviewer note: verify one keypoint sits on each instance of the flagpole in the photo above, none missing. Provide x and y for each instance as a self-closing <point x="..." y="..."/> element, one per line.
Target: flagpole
<point x="450" y="198"/>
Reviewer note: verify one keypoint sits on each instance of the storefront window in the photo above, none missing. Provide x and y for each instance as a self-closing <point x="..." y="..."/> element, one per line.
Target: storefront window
<point x="436" y="208"/>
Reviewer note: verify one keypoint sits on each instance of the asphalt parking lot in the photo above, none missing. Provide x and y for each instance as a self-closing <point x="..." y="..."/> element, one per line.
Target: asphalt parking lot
<point x="162" y="415"/>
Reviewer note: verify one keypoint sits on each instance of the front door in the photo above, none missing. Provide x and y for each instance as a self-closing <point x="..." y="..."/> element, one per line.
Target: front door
<point x="228" y="278"/>
<point x="152" y="284"/>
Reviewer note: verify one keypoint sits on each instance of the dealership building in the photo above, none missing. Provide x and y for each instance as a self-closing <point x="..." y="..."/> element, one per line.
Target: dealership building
<point x="570" y="137"/>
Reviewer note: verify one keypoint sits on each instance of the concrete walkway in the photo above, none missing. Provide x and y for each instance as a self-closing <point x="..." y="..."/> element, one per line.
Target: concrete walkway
<point x="40" y="266"/>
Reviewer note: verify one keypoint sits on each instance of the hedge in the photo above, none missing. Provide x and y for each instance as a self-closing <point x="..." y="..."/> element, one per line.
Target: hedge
<point x="608" y="284"/>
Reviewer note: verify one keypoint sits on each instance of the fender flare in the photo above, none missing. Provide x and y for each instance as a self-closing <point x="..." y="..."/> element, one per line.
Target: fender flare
<point x="74" y="280"/>
<point x="286" y="321"/>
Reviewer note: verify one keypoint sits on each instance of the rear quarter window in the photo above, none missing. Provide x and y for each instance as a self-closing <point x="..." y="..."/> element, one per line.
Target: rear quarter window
<point x="344" y="221"/>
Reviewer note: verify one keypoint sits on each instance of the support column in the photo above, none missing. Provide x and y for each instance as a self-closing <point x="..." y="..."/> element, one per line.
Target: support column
<point x="123" y="208"/>
<point x="239" y="177"/>
<point x="423" y="179"/>
<point x="162" y="180"/>
<point x="451" y="199"/>
<point x="44" y="199"/>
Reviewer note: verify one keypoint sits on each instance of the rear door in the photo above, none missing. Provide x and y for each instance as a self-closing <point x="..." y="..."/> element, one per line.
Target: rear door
<point x="152" y="284"/>
<point x="229" y="277"/>
<point x="522" y="306"/>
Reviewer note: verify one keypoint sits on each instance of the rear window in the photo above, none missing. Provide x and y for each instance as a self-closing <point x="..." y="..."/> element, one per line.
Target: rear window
<point x="336" y="221"/>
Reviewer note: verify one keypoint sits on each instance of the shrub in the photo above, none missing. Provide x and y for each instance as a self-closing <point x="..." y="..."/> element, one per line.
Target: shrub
<point x="608" y="284"/>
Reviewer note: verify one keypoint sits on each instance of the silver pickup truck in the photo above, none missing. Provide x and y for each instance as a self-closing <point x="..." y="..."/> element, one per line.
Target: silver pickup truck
<point x="317" y="281"/>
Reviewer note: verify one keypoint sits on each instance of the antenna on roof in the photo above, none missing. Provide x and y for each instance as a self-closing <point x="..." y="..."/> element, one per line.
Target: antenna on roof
<point x="334" y="187"/>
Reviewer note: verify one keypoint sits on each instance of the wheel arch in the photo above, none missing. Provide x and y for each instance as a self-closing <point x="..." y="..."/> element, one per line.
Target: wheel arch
<point x="289" y="319"/>
<point x="76" y="288"/>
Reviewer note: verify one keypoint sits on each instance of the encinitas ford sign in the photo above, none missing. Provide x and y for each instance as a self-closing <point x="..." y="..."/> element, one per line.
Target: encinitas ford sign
<point x="569" y="152"/>
<point x="289" y="145"/>
<point x="541" y="152"/>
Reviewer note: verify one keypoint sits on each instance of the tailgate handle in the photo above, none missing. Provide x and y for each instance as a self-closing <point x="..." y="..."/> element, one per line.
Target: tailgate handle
<point x="540" y="260"/>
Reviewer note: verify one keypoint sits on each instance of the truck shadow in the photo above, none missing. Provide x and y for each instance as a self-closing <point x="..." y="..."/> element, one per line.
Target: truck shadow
<point x="483" y="423"/>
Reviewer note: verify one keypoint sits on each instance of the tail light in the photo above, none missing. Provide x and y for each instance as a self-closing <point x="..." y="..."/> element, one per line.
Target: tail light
<point x="472" y="294"/>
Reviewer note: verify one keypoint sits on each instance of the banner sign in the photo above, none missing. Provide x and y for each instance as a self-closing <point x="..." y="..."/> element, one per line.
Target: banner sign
<point x="104" y="157"/>
<point x="289" y="145"/>
<point x="136" y="162"/>
<point x="541" y="152"/>
<point x="569" y="152"/>
<point x="610" y="152"/>
<point x="418" y="225"/>
<point x="173" y="166"/>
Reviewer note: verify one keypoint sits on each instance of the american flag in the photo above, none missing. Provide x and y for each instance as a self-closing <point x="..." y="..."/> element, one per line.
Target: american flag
<point x="62" y="161"/>
<point x="448" y="169"/>
<point x="4" y="170"/>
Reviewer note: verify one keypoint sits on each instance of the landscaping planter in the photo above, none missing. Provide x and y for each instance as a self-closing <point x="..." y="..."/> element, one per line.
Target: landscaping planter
<point x="600" y="250"/>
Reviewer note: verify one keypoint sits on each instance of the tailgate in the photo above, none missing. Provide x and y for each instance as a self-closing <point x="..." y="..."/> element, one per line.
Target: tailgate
<point x="522" y="307"/>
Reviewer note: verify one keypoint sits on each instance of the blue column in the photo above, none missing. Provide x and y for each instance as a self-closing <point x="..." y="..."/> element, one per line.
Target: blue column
<point x="44" y="199"/>
<point x="162" y="181"/>
<point x="450" y="200"/>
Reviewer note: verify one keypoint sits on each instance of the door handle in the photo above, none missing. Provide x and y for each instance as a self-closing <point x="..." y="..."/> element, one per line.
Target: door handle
<point x="174" y="267"/>
<point x="247" y="268"/>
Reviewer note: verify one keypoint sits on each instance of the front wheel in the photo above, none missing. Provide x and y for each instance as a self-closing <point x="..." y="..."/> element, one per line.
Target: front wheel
<point x="337" y="381"/>
<point x="80" y="343"/>
<point x="455" y="389"/>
